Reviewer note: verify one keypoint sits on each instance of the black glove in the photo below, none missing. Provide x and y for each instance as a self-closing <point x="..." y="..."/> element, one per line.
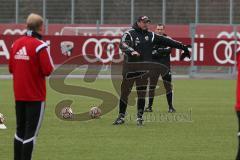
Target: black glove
<point x="186" y="52"/>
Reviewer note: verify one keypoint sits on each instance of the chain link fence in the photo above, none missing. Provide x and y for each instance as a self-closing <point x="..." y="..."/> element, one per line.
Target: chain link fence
<point x="122" y="11"/>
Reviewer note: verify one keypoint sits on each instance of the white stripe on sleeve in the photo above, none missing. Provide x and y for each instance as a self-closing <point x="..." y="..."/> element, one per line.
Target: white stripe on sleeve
<point x="41" y="47"/>
<point x="153" y="36"/>
<point x="50" y="58"/>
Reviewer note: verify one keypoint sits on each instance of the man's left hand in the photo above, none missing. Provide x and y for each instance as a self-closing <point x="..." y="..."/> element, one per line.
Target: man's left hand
<point x="186" y="52"/>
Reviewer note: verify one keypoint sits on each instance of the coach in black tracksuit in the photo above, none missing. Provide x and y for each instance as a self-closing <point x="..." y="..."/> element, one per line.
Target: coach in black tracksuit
<point x="137" y="45"/>
<point x="161" y="54"/>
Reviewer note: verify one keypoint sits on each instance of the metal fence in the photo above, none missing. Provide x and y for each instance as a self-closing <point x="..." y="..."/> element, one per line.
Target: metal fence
<point x="122" y="11"/>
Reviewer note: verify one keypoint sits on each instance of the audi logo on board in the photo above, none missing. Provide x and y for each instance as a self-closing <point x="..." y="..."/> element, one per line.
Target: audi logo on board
<point x="101" y="46"/>
<point x="14" y="31"/>
<point x="227" y="49"/>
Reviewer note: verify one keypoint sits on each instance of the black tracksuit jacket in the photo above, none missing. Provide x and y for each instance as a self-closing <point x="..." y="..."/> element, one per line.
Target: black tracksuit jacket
<point x="143" y="42"/>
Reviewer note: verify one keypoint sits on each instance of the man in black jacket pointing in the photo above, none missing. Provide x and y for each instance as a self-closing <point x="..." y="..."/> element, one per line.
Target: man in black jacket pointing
<point x="137" y="46"/>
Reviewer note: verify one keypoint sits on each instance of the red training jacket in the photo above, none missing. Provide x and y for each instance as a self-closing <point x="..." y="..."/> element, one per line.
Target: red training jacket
<point x="30" y="63"/>
<point x="237" y="105"/>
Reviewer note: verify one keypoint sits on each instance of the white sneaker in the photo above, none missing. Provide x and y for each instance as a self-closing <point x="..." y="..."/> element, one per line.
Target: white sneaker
<point x="2" y="126"/>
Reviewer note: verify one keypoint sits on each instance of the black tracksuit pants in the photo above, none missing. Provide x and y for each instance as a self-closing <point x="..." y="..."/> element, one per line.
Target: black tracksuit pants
<point x="166" y="75"/>
<point x="126" y="88"/>
<point x="29" y="115"/>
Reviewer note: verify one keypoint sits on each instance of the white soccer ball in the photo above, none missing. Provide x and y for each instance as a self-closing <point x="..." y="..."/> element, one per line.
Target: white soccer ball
<point x="1" y="118"/>
<point x="66" y="112"/>
<point x="95" y="112"/>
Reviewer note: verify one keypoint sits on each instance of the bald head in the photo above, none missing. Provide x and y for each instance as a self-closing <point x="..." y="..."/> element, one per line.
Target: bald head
<point x="34" y="22"/>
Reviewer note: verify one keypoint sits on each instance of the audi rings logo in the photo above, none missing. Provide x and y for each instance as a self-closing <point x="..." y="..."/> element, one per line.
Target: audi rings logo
<point x="224" y="51"/>
<point x="14" y="32"/>
<point x="104" y="50"/>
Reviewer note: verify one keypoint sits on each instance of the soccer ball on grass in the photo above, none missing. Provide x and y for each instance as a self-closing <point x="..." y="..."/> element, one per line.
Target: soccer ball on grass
<point x="95" y="112"/>
<point x="67" y="113"/>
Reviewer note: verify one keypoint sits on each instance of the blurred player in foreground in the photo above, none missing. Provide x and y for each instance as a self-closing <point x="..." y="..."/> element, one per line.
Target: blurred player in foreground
<point x="237" y="105"/>
<point x="29" y="63"/>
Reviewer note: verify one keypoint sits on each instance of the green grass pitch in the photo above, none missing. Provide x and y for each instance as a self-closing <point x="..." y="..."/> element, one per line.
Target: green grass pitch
<point x="210" y="135"/>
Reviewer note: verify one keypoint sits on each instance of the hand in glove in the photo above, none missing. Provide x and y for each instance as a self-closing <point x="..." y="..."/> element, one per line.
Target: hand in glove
<point x="186" y="52"/>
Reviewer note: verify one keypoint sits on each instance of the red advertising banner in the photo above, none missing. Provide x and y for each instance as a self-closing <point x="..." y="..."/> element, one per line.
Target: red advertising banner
<point x="105" y="49"/>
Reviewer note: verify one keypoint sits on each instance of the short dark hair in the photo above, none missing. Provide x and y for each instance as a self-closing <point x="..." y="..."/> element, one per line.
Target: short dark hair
<point x="143" y="18"/>
<point x="161" y="24"/>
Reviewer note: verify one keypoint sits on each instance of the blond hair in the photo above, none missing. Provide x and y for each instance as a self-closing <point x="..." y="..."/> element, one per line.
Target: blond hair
<point x="34" y="22"/>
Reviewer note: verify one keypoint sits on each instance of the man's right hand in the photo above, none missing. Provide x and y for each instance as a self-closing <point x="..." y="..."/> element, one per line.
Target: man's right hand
<point x="135" y="53"/>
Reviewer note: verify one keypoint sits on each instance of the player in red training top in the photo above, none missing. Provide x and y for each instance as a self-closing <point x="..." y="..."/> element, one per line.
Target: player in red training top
<point x="30" y="62"/>
<point x="237" y="105"/>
